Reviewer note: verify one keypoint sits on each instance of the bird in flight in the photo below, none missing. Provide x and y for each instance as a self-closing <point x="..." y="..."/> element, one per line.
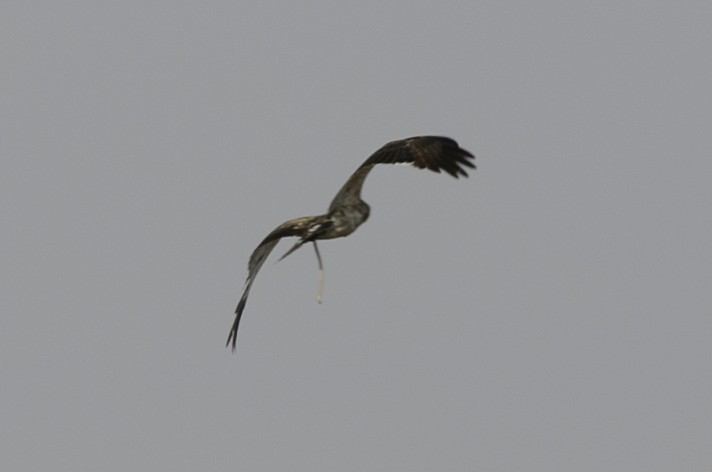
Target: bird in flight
<point x="347" y="211"/>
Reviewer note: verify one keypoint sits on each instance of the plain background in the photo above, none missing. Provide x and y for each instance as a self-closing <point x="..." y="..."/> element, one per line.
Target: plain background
<point x="553" y="312"/>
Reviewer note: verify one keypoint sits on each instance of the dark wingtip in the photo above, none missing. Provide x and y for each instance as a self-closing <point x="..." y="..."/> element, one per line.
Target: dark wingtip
<point x="454" y="159"/>
<point x="463" y="158"/>
<point x="232" y="337"/>
<point x="233" y="331"/>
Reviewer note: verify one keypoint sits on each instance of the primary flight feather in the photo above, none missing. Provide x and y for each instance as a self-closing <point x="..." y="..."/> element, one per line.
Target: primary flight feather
<point x="347" y="211"/>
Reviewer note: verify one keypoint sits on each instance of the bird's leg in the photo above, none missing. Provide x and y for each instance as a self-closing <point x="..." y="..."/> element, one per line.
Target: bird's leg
<point x="320" y="290"/>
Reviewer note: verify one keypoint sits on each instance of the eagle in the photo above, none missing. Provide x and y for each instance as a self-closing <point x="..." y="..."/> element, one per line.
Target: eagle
<point x="348" y="211"/>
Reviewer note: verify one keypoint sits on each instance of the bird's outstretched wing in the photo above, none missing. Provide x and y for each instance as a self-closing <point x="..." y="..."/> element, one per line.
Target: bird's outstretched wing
<point x="307" y="227"/>
<point x="436" y="153"/>
<point x="424" y="152"/>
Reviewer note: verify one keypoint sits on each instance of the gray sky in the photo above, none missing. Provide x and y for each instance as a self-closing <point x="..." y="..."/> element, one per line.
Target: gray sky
<point x="553" y="312"/>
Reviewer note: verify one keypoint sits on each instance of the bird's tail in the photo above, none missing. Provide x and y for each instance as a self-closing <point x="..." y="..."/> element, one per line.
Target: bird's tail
<point x="317" y="227"/>
<point x="296" y="246"/>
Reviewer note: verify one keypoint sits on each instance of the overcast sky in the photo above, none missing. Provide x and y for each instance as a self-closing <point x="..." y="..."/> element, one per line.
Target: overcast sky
<point x="553" y="312"/>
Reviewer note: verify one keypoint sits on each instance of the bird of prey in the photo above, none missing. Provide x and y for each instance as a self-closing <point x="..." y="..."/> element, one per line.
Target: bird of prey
<point x="347" y="211"/>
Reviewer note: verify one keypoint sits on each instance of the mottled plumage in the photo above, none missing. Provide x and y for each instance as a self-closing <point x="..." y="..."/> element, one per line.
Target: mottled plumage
<point x="347" y="211"/>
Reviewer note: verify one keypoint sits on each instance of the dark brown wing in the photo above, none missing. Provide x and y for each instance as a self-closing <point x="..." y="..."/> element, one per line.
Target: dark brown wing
<point x="258" y="257"/>
<point x="435" y="153"/>
<point x="304" y="227"/>
<point x="425" y="152"/>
